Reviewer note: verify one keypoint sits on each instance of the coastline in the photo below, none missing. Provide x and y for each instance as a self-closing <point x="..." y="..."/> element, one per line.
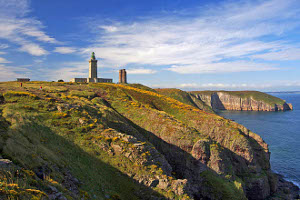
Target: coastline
<point x="277" y="129"/>
<point x="283" y="183"/>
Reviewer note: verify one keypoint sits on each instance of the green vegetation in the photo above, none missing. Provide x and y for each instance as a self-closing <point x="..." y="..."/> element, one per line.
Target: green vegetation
<point x="178" y="95"/>
<point x="186" y="98"/>
<point x="221" y="188"/>
<point x="140" y="86"/>
<point x="125" y="141"/>
<point x="85" y="94"/>
<point x="66" y="133"/>
<point x="18" y="96"/>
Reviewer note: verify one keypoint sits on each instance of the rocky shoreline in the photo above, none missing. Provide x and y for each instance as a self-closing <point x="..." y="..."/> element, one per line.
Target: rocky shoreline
<point x="285" y="189"/>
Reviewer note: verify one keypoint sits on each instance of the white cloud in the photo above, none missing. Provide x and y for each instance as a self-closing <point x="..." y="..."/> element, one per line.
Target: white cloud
<point x="38" y="34"/>
<point x="284" y="54"/>
<point x="218" y="86"/>
<point x="6" y="74"/>
<point x="262" y="86"/>
<point x="9" y="73"/>
<point x="109" y="28"/>
<point x="3" y="60"/>
<point x="33" y="49"/>
<point x="230" y="86"/>
<point x="14" y="7"/>
<point x="68" y="71"/>
<point x="141" y="71"/>
<point x="65" y="50"/>
<point x="4" y="46"/>
<point x="239" y="66"/>
<point x="221" y="39"/>
<point x="18" y="28"/>
<point x="291" y="83"/>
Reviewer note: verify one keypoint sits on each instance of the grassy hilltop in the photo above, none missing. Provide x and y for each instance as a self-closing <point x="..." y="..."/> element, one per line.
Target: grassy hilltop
<point x="109" y="141"/>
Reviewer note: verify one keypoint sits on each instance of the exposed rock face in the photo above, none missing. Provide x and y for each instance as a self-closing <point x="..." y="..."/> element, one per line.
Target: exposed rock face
<point x="1" y="99"/>
<point x="226" y="101"/>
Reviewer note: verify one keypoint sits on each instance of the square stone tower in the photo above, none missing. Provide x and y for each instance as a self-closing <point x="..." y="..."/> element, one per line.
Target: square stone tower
<point x="93" y="68"/>
<point x="122" y="76"/>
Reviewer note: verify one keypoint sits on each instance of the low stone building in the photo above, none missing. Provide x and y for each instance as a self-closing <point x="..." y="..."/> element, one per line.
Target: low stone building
<point x="23" y="79"/>
<point x="93" y="74"/>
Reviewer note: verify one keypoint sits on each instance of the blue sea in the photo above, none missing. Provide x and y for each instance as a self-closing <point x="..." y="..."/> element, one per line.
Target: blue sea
<point x="281" y="130"/>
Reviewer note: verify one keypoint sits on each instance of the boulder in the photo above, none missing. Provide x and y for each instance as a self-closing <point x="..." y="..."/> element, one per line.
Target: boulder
<point x="117" y="148"/>
<point x="201" y="150"/>
<point x="5" y="162"/>
<point x="179" y="185"/>
<point x="163" y="184"/>
<point x="257" y="188"/>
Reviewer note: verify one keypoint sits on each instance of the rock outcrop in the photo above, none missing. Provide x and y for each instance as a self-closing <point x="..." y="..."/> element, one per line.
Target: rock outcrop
<point x="248" y="101"/>
<point x="1" y="99"/>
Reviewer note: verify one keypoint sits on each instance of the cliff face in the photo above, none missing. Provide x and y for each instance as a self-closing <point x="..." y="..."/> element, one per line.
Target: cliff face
<point x="186" y="98"/>
<point x="232" y="101"/>
<point x="202" y="147"/>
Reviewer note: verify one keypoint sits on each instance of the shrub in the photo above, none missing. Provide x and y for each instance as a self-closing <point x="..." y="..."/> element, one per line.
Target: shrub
<point x="16" y="96"/>
<point x="85" y="94"/>
<point x="59" y="115"/>
<point x="219" y="187"/>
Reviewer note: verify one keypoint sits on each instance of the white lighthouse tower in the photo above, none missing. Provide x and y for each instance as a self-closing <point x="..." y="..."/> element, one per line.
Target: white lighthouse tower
<point x="93" y="77"/>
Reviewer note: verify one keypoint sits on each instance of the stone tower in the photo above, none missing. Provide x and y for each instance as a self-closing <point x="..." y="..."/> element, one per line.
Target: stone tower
<point x="93" y="68"/>
<point x="122" y="76"/>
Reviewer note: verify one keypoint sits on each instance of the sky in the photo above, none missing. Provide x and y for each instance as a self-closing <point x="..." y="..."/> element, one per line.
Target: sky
<point x="186" y="44"/>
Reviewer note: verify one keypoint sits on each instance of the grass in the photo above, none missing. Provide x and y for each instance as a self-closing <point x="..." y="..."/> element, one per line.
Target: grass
<point x="85" y="94"/>
<point x="185" y="98"/>
<point x="84" y="129"/>
<point x="11" y="96"/>
<point x="140" y="86"/>
<point x="220" y="188"/>
<point x="18" y="184"/>
<point x="40" y="135"/>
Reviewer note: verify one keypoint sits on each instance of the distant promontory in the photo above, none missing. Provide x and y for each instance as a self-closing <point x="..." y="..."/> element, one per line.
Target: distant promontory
<point x="242" y="100"/>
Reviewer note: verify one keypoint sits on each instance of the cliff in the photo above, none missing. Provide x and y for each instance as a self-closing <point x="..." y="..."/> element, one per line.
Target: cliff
<point x="242" y="100"/>
<point x="186" y="98"/>
<point x="112" y="141"/>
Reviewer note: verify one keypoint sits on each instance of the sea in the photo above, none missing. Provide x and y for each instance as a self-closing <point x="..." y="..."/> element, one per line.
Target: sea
<point x="281" y="130"/>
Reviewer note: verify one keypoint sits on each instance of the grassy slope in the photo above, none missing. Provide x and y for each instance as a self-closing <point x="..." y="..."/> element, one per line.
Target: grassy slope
<point x="234" y="138"/>
<point x="32" y="145"/>
<point x="42" y="136"/>
<point x="256" y="95"/>
<point x="140" y="86"/>
<point x="185" y="97"/>
<point x="41" y="132"/>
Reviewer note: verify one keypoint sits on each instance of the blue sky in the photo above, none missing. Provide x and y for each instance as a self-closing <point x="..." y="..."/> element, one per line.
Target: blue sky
<point x="187" y="44"/>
